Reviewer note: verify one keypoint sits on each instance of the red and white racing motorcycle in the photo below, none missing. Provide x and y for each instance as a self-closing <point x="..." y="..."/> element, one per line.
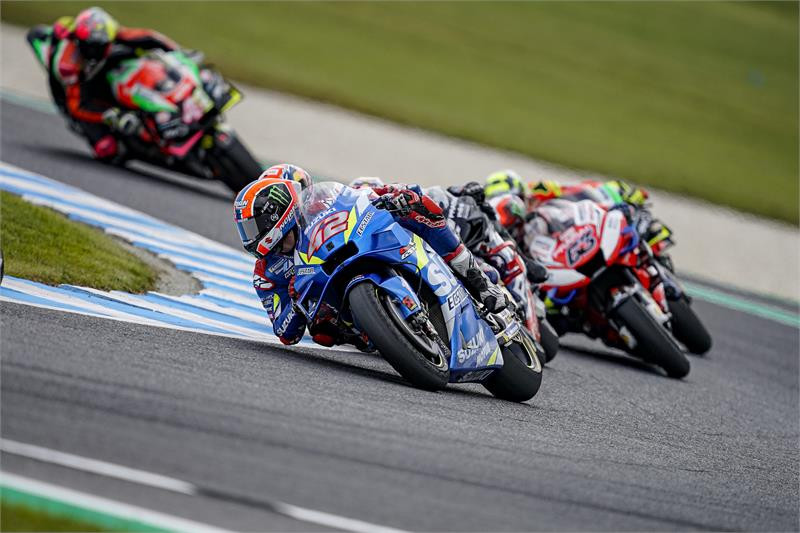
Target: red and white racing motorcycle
<point x="604" y="281"/>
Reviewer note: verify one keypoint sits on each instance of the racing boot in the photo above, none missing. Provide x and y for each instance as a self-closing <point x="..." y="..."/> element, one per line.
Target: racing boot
<point x="463" y="263"/>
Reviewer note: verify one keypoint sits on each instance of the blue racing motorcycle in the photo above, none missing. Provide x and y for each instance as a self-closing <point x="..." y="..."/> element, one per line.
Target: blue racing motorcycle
<point x="362" y="278"/>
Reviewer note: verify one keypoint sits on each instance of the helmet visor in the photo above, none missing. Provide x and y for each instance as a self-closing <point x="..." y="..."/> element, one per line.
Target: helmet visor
<point x="251" y="229"/>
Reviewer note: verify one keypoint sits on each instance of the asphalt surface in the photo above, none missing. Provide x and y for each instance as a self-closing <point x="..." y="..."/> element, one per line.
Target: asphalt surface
<point x="607" y="444"/>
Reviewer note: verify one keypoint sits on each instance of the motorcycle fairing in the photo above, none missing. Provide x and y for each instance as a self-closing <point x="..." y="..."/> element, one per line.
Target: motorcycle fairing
<point x="372" y="234"/>
<point x="610" y="242"/>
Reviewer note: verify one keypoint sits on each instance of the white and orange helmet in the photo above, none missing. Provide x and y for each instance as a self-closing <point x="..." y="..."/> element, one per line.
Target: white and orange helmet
<point x="265" y="211"/>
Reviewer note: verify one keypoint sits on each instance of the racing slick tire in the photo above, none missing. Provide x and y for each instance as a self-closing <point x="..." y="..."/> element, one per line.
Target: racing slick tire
<point x="549" y="340"/>
<point x="232" y="163"/>
<point x="520" y="377"/>
<point x="653" y="343"/>
<point x="396" y="341"/>
<point x="687" y="327"/>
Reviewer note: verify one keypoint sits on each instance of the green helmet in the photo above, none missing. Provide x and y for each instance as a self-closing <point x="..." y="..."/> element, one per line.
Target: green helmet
<point x="504" y="182"/>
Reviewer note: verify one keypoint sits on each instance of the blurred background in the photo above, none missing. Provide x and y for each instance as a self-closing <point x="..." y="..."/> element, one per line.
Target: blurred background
<point x="698" y="98"/>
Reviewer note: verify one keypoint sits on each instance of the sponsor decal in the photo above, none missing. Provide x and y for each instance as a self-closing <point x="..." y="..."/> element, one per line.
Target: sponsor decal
<point x="407" y="250"/>
<point x="284" y="325"/>
<point x="262" y="283"/>
<point x="477" y="346"/>
<point x="584" y="244"/>
<point x="305" y="271"/>
<point x="364" y="222"/>
<point x="320" y="216"/>
<point x="409" y="303"/>
<point x="284" y="266"/>
<point x="240" y="204"/>
<point x="267" y="241"/>
<point x="457" y="298"/>
<point x="428" y="222"/>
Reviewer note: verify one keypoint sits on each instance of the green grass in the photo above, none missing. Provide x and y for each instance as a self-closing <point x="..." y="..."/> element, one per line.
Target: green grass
<point x="14" y="517"/>
<point x="42" y="245"/>
<point x="699" y="98"/>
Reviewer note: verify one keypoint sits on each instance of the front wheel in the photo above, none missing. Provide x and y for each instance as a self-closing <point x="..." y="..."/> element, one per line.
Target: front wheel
<point x="653" y="343"/>
<point x="232" y="163"/>
<point x="687" y="327"/>
<point x="415" y="357"/>
<point x="521" y="375"/>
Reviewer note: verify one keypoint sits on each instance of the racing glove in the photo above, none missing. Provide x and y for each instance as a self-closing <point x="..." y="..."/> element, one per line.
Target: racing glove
<point x="405" y="202"/>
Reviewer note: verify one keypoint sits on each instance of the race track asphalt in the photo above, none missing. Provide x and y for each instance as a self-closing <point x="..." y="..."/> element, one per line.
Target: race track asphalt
<point x="607" y="444"/>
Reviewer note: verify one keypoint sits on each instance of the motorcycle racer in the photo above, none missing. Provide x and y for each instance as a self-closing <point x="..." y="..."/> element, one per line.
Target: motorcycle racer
<point x="478" y="226"/>
<point x="519" y="206"/>
<point x="614" y="194"/>
<point x="265" y="215"/>
<point x="77" y="53"/>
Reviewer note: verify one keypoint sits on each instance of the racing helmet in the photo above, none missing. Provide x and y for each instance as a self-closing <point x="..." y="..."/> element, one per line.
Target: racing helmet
<point x="541" y="191"/>
<point x="440" y="196"/>
<point x="510" y="210"/>
<point x="94" y="32"/>
<point x="287" y="171"/>
<point x="504" y="182"/>
<point x="265" y="211"/>
<point x="366" y="182"/>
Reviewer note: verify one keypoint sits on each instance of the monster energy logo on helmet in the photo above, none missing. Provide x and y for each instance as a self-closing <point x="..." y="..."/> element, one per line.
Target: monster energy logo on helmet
<point x="279" y="195"/>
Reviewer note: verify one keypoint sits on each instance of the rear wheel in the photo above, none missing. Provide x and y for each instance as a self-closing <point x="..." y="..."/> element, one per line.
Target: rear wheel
<point x="521" y="376"/>
<point x="232" y="163"/>
<point x="415" y="357"/>
<point x="653" y="343"/>
<point x="687" y="327"/>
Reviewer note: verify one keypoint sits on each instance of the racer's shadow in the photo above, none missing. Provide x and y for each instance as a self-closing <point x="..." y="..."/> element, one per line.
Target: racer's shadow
<point x="141" y="171"/>
<point x="608" y="355"/>
<point x="307" y="355"/>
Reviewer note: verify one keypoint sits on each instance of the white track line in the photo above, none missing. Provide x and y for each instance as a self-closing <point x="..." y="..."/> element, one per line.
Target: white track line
<point x="94" y="466"/>
<point x="105" y="506"/>
<point x="141" y="477"/>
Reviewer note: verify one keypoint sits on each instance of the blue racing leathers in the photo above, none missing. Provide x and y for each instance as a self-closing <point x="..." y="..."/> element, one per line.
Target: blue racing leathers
<point x="273" y="275"/>
<point x="271" y="278"/>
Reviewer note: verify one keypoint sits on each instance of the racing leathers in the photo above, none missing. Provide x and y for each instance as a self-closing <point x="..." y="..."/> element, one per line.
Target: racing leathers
<point x="273" y="276"/>
<point x="82" y="95"/>
<point x="474" y="220"/>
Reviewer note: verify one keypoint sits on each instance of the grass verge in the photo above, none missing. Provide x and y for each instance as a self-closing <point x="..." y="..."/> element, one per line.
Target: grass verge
<point x="699" y="98"/>
<point x="15" y="517"/>
<point x="42" y="245"/>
